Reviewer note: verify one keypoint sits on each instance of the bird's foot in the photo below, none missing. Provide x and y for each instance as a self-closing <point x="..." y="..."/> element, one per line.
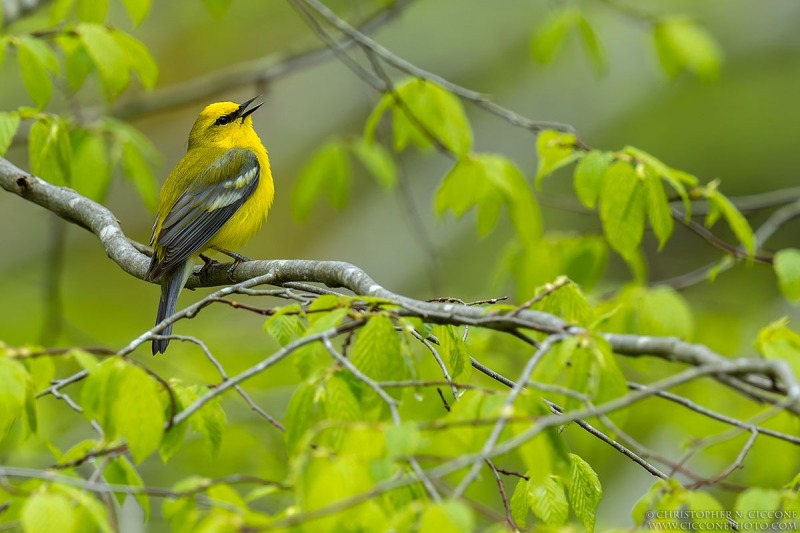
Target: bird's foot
<point x="208" y="263"/>
<point x="237" y="260"/>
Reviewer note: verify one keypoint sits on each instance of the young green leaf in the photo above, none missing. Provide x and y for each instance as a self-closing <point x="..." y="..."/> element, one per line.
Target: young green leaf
<point x="423" y="111"/>
<point x="658" y="209"/>
<point x="622" y="207"/>
<point x="92" y="11"/>
<point x="592" y="46"/>
<point x="285" y="328"/>
<point x="139" y="416"/>
<point x="378" y="161"/>
<point x="584" y="491"/>
<point x="588" y="177"/>
<point x="45" y="512"/>
<point x="519" y="503"/>
<point x="108" y="57"/>
<point x="120" y="471"/>
<point x="138" y="57"/>
<point x="138" y="171"/>
<point x="776" y="341"/>
<point x="9" y="122"/>
<point x="721" y="205"/>
<point x="59" y="10"/>
<point x="14" y="385"/>
<point x="683" y="45"/>
<point x="328" y="171"/>
<point x="554" y="149"/>
<point x="548" y="37"/>
<point x="787" y="268"/>
<point x="49" y="150"/>
<point x="377" y="350"/>
<point x="450" y="516"/>
<point x="453" y="352"/>
<point x="91" y="168"/>
<point x="77" y="62"/>
<point x="137" y="9"/>
<point x="36" y="61"/>
<point x="548" y="501"/>
<point x="302" y="413"/>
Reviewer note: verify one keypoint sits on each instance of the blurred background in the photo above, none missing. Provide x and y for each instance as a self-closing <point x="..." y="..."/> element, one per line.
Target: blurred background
<point x="743" y="129"/>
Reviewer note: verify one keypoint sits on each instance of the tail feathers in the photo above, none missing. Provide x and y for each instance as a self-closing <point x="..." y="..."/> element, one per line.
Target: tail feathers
<point x="171" y="284"/>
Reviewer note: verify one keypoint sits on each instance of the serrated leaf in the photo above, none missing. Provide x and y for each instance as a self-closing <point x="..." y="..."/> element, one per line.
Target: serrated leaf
<point x="77" y="63"/>
<point x="378" y="161"/>
<point x="776" y="341"/>
<point x="108" y="57"/>
<point x="139" y="58"/>
<point x="285" y="328"/>
<point x="377" y="350"/>
<point x="554" y="149"/>
<point x="584" y="491"/>
<point x="340" y="405"/>
<point x="664" y="312"/>
<point x="683" y="45"/>
<point x="591" y="43"/>
<point x="9" y="122"/>
<point x="328" y="171"/>
<point x="548" y="501"/>
<point x="720" y="204"/>
<point x="138" y="412"/>
<point x="658" y="209"/>
<point x="14" y="384"/>
<point x="588" y="177"/>
<point x="519" y="503"/>
<point x="49" y="150"/>
<point x="622" y="208"/>
<point x="45" y="512"/>
<point x="91" y="167"/>
<point x="301" y="414"/>
<point x="548" y="37"/>
<point x="121" y="472"/>
<point x="453" y="351"/>
<point x="137" y="9"/>
<point x="787" y="268"/>
<point x="92" y="11"/>
<point x="35" y="61"/>
<point x="427" y="110"/>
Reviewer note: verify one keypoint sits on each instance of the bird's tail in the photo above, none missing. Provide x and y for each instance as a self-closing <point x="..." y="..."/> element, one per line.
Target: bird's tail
<point x="171" y="284"/>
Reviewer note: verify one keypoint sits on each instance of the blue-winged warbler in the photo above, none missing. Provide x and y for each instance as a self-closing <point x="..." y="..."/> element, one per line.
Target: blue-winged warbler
<point x="217" y="196"/>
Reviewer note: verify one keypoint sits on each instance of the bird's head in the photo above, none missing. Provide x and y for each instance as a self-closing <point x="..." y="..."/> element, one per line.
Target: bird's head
<point x="224" y="123"/>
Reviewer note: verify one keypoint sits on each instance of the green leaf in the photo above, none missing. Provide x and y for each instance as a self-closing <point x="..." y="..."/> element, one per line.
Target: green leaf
<point x="662" y="311"/>
<point x="378" y="161"/>
<point x="548" y="37"/>
<point x="138" y="171"/>
<point x="787" y="268"/>
<point x="92" y="11"/>
<point x="555" y="149"/>
<point x="759" y="506"/>
<point x="658" y="209"/>
<point x="519" y="503"/>
<point x="588" y="177"/>
<point x="4" y="40"/>
<point x="49" y="150"/>
<point x="777" y="342"/>
<point x="120" y="471"/>
<point x="720" y="204"/>
<point x="453" y="351"/>
<point x="622" y="208"/>
<point x="374" y="118"/>
<point x="302" y="413"/>
<point x="217" y="8"/>
<point x="377" y="350"/>
<point x="15" y="383"/>
<point x="285" y="327"/>
<point x="77" y="63"/>
<point x="9" y="122"/>
<point x="36" y="60"/>
<point x="486" y="180"/>
<point x="584" y="491"/>
<point x="339" y="404"/>
<point x="45" y="512"/>
<point x="548" y="501"/>
<point x="427" y="110"/>
<point x="683" y="45"/>
<point x="403" y="440"/>
<point x="59" y="10"/>
<point x="137" y="9"/>
<point x="91" y="168"/>
<point x="138" y="57"/>
<point x="108" y="57"/>
<point x="592" y="46"/>
<point x="328" y="171"/>
<point x="450" y="516"/>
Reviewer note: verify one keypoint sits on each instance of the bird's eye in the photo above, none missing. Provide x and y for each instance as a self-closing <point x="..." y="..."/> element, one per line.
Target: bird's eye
<point x="224" y="119"/>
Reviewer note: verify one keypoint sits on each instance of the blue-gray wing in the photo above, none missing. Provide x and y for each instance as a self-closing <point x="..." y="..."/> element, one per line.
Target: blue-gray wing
<point x="203" y="209"/>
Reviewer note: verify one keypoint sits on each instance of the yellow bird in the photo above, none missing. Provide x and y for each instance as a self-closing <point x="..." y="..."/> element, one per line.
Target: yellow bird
<point x="217" y="197"/>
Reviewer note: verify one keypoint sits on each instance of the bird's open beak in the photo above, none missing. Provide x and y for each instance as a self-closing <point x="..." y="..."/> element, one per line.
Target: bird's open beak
<point x="244" y="112"/>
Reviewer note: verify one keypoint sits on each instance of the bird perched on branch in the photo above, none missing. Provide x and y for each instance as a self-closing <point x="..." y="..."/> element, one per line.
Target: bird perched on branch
<point x="217" y="197"/>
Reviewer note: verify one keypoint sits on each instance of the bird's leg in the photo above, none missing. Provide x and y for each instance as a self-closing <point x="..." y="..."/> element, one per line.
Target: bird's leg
<point x="207" y="264"/>
<point x="237" y="260"/>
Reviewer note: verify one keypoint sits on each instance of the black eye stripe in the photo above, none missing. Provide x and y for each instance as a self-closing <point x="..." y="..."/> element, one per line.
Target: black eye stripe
<point x="225" y="119"/>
